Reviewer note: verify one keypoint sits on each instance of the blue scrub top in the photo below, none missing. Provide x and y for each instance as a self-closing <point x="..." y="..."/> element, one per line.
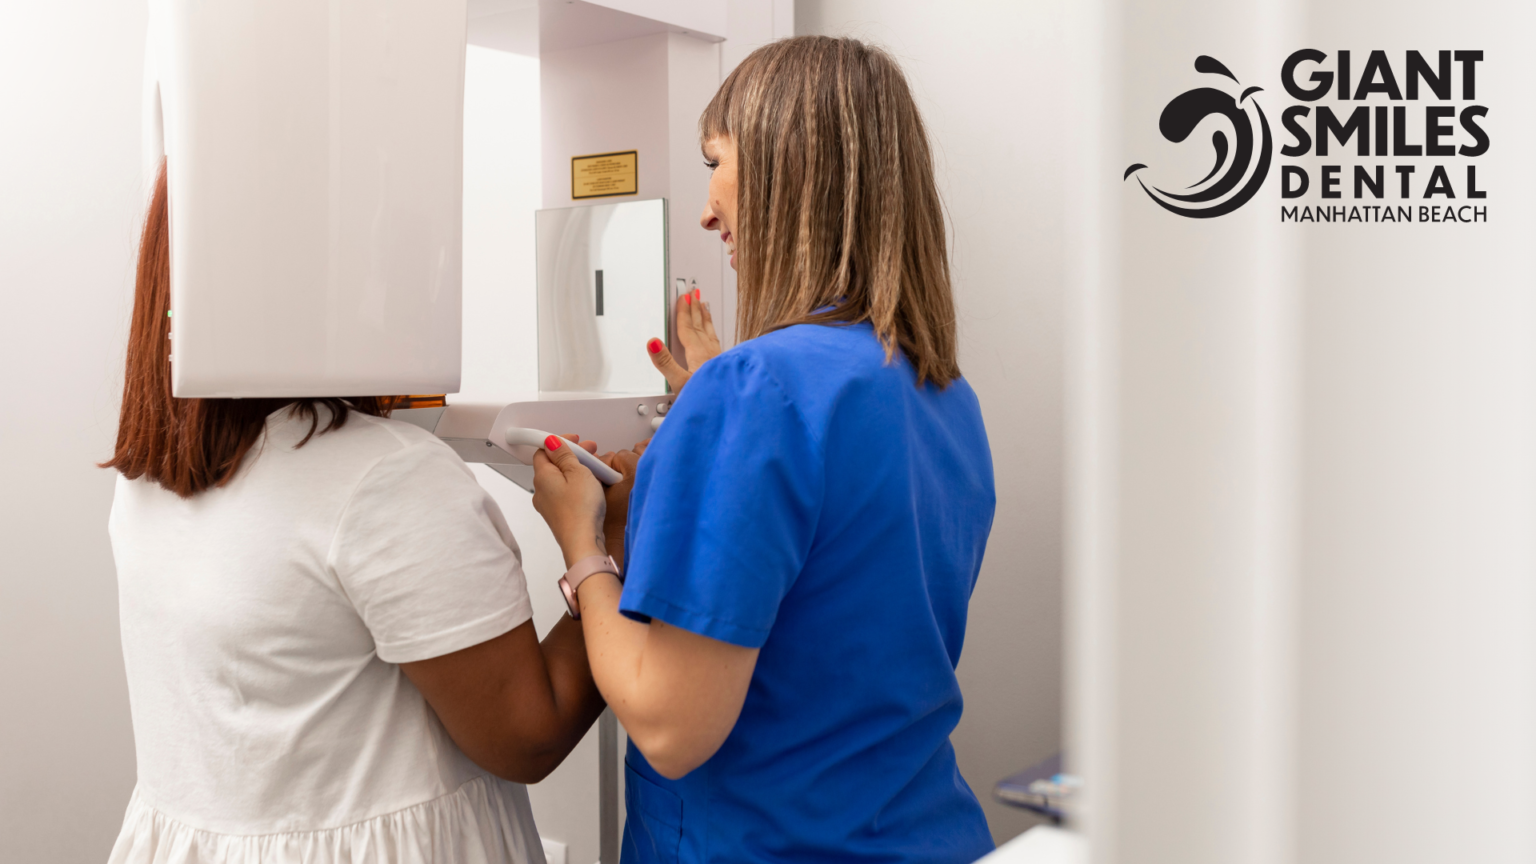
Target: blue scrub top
<point x="805" y="498"/>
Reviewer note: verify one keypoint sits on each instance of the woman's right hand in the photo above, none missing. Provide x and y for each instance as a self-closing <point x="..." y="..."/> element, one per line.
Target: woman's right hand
<point x="695" y="329"/>
<point x="570" y="499"/>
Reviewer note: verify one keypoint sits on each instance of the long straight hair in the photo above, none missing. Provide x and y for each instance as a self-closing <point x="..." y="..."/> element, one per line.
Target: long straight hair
<point x="839" y="216"/>
<point x="188" y="445"/>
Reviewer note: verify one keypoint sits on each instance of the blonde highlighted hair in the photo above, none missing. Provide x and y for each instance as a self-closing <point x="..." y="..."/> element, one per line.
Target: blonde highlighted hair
<point x="839" y="217"/>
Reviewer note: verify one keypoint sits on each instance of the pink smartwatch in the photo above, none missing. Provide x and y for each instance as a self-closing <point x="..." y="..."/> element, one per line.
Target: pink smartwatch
<point x="578" y="574"/>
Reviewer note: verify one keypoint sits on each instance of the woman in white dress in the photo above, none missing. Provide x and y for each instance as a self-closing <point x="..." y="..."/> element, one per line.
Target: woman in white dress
<point x="326" y="630"/>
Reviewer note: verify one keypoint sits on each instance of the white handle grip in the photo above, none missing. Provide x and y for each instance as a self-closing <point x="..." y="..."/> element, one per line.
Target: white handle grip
<point x="517" y="435"/>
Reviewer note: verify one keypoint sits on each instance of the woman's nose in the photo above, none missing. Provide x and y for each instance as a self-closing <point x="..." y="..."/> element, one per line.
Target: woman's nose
<point x="707" y="219"/>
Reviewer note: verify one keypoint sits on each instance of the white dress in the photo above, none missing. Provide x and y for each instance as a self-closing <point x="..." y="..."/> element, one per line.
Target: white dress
<point x="262" y="623"/>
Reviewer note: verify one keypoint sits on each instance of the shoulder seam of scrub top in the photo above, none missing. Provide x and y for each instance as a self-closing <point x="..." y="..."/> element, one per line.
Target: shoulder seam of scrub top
<point x="744" y="361"/>
<point x="752" y="359"/>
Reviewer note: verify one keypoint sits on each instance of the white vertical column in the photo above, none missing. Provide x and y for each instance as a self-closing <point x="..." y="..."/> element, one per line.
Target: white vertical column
<point x="1091" y="395"/>
<point x="1192" y="455"/>
<point x="1416" y="690"/>
<point x="1182" y="433"/>
<point x="1302" y="561"/>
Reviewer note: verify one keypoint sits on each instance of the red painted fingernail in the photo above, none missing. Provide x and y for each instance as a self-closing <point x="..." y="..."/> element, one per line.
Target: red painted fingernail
<point x="654" y="346"/>
<point x="551" y="443"/>
<point x="695" y="293"/>
<point x="688" y="299"/>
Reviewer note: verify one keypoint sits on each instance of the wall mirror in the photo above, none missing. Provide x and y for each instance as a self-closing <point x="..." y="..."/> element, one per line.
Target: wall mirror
<point x="602" y="294"/>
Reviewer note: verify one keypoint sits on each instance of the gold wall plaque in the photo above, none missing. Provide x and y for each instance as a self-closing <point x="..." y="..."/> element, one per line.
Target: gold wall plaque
<point x="604" y="174"/>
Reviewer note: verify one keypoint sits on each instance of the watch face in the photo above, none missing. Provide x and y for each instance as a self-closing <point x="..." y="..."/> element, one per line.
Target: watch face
<point x="570" y="598"/>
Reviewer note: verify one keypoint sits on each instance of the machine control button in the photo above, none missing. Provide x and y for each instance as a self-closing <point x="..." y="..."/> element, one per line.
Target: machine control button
<point x="661" y="407"/>
<point x="642" y="410"/>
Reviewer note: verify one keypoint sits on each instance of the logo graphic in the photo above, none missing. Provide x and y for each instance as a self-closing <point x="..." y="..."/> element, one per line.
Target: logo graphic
<point x="1214" y="194"/>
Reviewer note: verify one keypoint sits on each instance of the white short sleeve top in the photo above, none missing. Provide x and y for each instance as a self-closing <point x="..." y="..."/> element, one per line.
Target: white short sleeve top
<point x="262" y="622"/>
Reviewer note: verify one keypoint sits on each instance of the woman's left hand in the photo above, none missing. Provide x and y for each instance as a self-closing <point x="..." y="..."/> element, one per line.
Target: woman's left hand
<point x="695" y="329"/>
<point x="570" y="499"/>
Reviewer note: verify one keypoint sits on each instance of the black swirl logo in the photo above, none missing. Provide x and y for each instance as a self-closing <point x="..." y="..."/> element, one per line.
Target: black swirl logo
<point x="1213" y="195"/>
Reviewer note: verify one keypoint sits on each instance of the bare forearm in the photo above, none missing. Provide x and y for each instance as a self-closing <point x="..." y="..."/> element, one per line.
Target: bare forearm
<point x="615" y="648"/>
<point x="514" y="705"/>
<point x="677" y="693"/>
<point x="538" y="731"/>
<point x="533" y="732"/>
<point x="615" y="644"/>
<point x="574" y="696"/>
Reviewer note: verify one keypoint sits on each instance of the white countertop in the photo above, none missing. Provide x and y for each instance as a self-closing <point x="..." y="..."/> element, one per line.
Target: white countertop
<point x="1042" y="844"/>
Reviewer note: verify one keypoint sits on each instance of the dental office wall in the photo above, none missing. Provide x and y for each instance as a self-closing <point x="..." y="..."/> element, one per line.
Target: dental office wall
<point x="71" y="198"/>
<point x="985" y="78"/>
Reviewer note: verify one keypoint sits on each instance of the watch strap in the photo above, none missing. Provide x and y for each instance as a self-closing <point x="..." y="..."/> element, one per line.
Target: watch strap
<point x="579" y="573"/>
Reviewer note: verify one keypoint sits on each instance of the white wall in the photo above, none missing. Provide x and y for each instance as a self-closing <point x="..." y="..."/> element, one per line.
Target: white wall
<point x="72" y="199"/>
<point x="986" y="82"/>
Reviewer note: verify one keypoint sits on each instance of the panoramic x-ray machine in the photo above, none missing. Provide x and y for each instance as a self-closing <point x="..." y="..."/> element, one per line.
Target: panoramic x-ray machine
<point x="315" y="164"/>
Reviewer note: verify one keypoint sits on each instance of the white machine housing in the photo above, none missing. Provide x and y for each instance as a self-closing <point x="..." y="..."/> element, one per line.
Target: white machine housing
<point x="314" y="155"/>
<point x="477" y="431"/>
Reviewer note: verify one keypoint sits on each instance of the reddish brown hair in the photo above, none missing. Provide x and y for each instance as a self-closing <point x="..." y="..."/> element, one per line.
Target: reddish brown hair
<point x="188" y="445"/>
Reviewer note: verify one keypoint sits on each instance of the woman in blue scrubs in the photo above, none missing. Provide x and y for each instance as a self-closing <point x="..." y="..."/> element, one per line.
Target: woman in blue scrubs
<point x="806" y="528"/>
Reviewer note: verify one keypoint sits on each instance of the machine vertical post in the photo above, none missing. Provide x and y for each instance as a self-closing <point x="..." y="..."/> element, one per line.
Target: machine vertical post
<point x="608" y="787"/>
